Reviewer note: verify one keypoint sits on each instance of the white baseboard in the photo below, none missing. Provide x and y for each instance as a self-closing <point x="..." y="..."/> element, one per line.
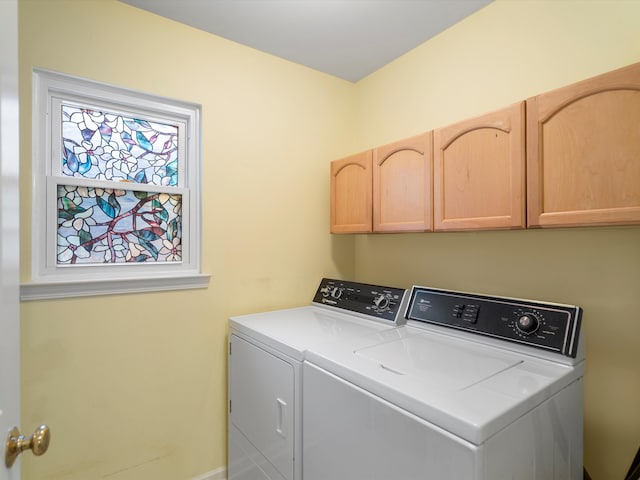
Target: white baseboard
<point x="217" y="474"/>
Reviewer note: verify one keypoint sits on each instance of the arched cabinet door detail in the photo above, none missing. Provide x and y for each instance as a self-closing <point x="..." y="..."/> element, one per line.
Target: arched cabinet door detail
<point x="583" y="152"/>
<point x="402" y="193"/>
<point x="479" y="172"/>
<point x="351" y="194"/>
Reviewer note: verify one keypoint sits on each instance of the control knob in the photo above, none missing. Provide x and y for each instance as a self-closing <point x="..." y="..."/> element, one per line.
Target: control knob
<point x="527" y="323"/>
<point x="381" y="301"/>
<point x="336" y="293"/>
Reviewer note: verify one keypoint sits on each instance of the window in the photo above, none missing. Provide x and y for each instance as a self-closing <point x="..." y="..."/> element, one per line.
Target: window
<point x="116" y="199"/>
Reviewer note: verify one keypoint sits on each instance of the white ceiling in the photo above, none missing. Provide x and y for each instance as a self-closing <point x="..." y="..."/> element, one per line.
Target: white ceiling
<point x="346" y="38"/>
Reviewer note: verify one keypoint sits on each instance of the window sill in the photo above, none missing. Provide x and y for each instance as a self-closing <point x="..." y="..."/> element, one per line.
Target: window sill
<point x="67" y="289"/>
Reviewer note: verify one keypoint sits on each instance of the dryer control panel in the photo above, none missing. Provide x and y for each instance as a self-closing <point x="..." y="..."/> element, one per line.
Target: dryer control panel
<point x="372" y="301"/>
<point x="548" y="326"/>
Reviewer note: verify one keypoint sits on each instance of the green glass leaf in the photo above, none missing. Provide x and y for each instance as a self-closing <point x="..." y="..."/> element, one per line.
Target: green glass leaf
<point x="149" y="247"/>
<point x="71" y="207"/>
<point x="113" y="201"/>
<point x="106" y="207"/>
<point x="149" y="234"/>
<point x="172" y="168"/>
<point x="172" y="229"/>
<point x="163" y="214"/>
<point x="85" y="240"/>
<point x="67" y="203"/>
<point x="141" y="195"/>
<point x="64" y="214"/>
<point x="144" y="142"/>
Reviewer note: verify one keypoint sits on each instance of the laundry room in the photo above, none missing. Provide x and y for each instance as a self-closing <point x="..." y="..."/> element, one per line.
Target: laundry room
<point x="133" y="383"/>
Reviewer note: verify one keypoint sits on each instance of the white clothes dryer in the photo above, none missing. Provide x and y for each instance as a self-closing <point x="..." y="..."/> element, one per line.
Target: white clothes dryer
<point x="266" y="351"/>
<point x="473" y="387"/>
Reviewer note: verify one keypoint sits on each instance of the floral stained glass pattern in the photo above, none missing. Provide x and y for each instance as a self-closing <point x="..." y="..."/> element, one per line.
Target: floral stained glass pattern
<point x="109" y="146"/>
<point x="107" y="226"/>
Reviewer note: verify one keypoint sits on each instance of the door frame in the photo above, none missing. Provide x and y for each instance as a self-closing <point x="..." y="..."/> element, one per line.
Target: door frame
<point x="9" y="229"/>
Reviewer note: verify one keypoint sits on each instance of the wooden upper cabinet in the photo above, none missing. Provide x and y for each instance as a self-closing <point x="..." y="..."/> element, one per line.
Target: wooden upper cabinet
<point x="479" y="172"/>
<point x="583" y="152"/>
<point x="351" y="194"/>
<point x="402" y="185"/>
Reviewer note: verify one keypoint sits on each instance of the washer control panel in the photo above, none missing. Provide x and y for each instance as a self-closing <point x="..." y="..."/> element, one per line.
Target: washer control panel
<point x="373" y="301"/>
<point x="548" y="326"/>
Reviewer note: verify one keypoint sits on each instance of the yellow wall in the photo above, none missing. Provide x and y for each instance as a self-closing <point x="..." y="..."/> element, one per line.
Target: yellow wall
<point x="507" y="52"/>
<point x="134" y="386"/>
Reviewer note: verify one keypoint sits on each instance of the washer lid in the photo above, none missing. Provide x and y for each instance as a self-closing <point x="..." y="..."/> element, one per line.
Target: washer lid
<point x="292" y="331"/>
<point x="468" y="389"/>
<point x="438" y="360"/>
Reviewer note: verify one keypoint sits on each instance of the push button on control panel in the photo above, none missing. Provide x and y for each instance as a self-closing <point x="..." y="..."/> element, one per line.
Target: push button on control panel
<point x="468" y="313"/>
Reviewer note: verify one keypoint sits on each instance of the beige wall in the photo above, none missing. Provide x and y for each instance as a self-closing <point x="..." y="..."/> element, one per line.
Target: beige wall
<point x="507" y="52"/>
<point x="134" y="386"/>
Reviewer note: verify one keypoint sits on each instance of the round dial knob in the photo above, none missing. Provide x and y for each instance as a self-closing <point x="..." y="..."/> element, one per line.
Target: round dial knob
<point x="527" y="323"/>
<point x="336" y="292"/>
<point x="381" y="301"/>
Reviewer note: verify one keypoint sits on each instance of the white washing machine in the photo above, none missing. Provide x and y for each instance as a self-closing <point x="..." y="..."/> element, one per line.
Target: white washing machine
<point x="473" y="387"/>
<point x="266" y="351"/>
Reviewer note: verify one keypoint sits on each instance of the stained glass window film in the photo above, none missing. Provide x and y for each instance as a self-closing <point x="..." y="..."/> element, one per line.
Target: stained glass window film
<point x="116" y="190"/>
<point x="107" y="226"/>
<point x="109" y="146"/>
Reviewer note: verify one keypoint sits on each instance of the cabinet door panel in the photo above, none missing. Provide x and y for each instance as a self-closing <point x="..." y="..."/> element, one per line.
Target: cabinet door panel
<point x="351" y="194"/>
<point x="402" y="185"/>
<point x="479" y="170"/>
<point x="584" y="152"/>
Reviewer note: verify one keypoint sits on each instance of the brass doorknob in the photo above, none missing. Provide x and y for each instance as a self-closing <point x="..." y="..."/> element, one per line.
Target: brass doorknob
<point x="38" y="443"/>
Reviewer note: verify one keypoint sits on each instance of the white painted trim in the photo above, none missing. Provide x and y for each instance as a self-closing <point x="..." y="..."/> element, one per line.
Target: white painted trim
<point x="9" y="226"/>
<point x="50" y="280"/>
<point x="217" y="474"/>
<point x="67" y="289"/>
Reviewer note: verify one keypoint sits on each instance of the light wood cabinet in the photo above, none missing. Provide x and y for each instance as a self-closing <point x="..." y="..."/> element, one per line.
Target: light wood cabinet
<point x="351" y="184"/>
<point x="583" y="152"/>
<point x="479" y="172"/>
<point x="402" y="194"/>
<point x="578" y="164"/>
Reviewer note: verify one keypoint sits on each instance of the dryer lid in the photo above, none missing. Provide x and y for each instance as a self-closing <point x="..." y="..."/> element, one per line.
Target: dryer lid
<point x="292" y="331"/>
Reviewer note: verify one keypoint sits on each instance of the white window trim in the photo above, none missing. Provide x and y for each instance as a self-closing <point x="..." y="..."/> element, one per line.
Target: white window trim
<point x="52" y="281"/>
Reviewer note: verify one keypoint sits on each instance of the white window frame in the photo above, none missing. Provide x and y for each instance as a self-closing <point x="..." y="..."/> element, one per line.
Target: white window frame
<point x="50" y="280"/>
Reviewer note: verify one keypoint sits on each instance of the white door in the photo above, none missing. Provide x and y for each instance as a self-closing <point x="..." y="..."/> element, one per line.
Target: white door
<point x="9" y="244"/>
